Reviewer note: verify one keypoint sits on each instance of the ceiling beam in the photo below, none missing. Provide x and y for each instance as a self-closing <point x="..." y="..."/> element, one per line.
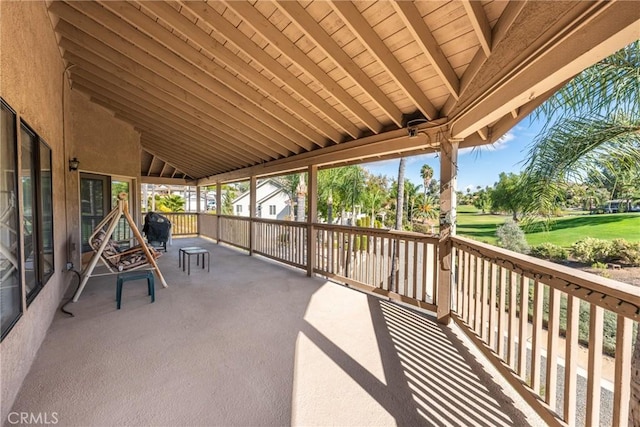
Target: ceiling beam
<point x="153" y="159"/>
<point x="500" y="29"/>
<point x="181" y="23"/>
<point x="506" y="123"/>
<point x="256" y="20"/>
<point x="372" y="42"/>
<point x="408" y="12"/>
<point x="323" y="41"/>
<point x="227" y="30"/>
<point x="120" y="51"/>
<point x="601" y="30"/>
<point x="480" y="24"/>
<point x="195" y="63"/>
<point x="164" y="181"/>
<point x="391" y="143"/>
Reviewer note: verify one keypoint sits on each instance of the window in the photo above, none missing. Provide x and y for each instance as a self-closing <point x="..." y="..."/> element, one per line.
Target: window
<point x="272" y="209"/>
<point x="238" y="209"/>
<point x="28" y="246"/>
<point x="10" y="290"/>
<point x="37" y="203"/>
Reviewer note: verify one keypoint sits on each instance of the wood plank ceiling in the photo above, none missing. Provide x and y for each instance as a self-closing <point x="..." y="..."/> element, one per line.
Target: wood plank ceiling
<point x="221" y="86"/>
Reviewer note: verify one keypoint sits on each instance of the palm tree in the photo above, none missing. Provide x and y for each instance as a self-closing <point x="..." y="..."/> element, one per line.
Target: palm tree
<point x="399" y="216"/>
<point x="595" y="119"/>
<point x="426" y="173"/>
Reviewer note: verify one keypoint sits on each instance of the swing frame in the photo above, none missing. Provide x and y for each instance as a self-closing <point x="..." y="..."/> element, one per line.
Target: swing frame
<point x="112" y="220"/>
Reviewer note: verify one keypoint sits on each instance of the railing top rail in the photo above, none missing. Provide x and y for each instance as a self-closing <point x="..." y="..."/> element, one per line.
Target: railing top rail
<point x="177" y="213"/>
<point x="622" y="298"/>
<point x="280" y="221"/>
<point x="239" y="218"/>
<point x="410" y="235"/>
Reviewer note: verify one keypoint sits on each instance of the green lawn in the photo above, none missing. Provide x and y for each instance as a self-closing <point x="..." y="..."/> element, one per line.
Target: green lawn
<point x="563" y="232"/>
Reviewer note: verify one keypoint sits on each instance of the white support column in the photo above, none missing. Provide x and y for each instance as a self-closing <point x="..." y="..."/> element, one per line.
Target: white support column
<point x="218" y="209"/>
<point x="448" y="174"/>
<point x="312" y="216"/>
<point x="252" y="212"/>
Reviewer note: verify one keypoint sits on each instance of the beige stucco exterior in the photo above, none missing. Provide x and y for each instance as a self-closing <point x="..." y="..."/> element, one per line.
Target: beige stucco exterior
<point x="32" y="83"/>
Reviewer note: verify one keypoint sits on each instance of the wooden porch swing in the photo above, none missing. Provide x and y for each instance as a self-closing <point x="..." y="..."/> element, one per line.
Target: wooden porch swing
<point x="108" y="251"/>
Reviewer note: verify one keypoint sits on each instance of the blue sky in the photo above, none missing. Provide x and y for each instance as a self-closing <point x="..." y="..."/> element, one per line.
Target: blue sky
<point x="475" y="167"/>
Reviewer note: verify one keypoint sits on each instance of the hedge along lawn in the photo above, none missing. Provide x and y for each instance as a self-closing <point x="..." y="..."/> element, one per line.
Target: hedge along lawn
<point x="563" y="231"/>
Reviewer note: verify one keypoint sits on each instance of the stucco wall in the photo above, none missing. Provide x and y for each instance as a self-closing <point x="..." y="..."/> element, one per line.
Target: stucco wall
<point x="104" y="144"/>
<point x="31" y="82"/>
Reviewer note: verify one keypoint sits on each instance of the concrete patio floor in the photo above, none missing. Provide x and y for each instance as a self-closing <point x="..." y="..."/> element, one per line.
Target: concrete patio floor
<point x="254" y="343"/>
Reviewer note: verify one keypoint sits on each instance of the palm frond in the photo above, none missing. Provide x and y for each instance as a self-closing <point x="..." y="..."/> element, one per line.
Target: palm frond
<point x="609" y="85"/>
<point x="575" y="148"/>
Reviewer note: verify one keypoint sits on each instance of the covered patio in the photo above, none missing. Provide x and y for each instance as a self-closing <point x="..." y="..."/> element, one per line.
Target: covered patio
<point x="209" y="93"/>
<point x="257" y="343"/>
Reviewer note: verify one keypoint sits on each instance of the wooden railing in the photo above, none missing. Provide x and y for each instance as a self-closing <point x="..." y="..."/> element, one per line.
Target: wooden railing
<point x="235" y="230"/>
<point x="521" y="312"/>
<point x="208" y="225"/>
<point x="183" y="223"/>
<point x="501" y="298"/>
<point x="284" y="241"/>
<point x="399" y="265"/>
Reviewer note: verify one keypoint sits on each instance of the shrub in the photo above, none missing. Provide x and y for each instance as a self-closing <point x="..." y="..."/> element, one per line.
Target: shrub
<point x="625" y="252"/>
<point x="549" y="251"/>
<point x="511" y="237"/>
<point x="589" y="250"/>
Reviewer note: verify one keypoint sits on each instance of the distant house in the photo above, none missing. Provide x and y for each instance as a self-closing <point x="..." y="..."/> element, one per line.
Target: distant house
<point x="272" y="201"/>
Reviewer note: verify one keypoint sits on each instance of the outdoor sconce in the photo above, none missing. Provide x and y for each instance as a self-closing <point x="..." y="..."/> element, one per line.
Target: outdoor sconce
<point x="412" y="127"/>
<point x="73" y="164"/>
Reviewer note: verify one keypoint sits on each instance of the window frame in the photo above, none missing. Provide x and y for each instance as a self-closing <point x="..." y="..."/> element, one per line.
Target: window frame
<point x="16" y="188"/>
<point x="37" y="143"/>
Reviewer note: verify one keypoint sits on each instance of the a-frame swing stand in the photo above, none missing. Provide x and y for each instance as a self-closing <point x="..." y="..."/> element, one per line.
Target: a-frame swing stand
<point x="112" y="220"/>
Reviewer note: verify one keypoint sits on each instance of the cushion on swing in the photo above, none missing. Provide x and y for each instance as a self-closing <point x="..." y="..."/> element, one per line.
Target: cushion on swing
<point x="119" y="259"/>
<point x="111" y="251"/>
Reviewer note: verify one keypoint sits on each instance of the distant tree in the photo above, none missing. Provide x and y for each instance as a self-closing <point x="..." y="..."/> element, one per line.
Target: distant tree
<point x="411" y="193"/>
<point x="426" y="173"/>
<point x="171" y="203"/>
<point x="482" y="199"/>
<point x="507" y="195"/>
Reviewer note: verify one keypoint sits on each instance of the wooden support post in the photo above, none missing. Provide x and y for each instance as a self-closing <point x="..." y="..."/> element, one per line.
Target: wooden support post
<point x="198" y="209"/>
<point x="252" y="212"/>
<point x="218" y="210"/>
<point x="448" y="173"/>
<point x="312" y="216"/>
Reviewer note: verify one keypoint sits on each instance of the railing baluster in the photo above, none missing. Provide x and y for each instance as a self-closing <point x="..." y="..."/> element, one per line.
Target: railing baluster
<point x="622" y="391"/>
<point x="477" y="316"/>
<point x="484" y="314"/>
<point x="570" y="366"/>
<point x="524" y="323"/>
<point x="492" y="306"/>
<point x="538" y="300"/>
<point x="596" y="315"/>
<point x="501" y="312"/>
<point x="513" y="325"/>
<point x="467" y="283"/>
<point x="552" y="348"/>
<point x="459" y="280"/>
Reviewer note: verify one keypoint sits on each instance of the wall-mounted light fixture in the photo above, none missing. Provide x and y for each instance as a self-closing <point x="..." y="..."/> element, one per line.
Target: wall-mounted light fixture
<point x="73" y="164"/>
<point x="412" y="127"/>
